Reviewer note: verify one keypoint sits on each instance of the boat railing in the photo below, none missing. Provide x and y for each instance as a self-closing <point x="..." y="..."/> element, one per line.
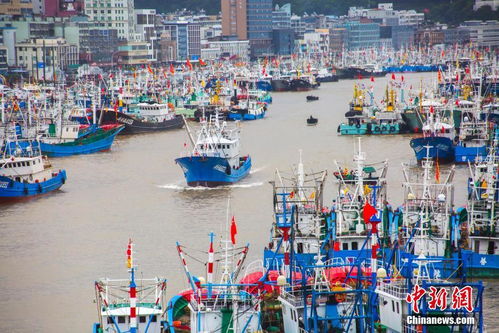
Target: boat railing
<point x="394" y="288"/>
<point x="406" y="328"/>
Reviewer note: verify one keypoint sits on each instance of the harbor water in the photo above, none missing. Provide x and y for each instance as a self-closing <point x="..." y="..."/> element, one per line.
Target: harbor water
<point x="53" y="247"/>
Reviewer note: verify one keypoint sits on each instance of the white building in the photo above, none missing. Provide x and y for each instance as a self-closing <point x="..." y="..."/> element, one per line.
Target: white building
<point x="43" y="56"/>
<point x="145" y="29"/>
<point x="485" y="34"/>
<point x="217" y="49"/>
<point x="494" y="4"/>
<point x="114" y="14"/>
<point x="388" y="15"/>
<point x="316" y="42"/>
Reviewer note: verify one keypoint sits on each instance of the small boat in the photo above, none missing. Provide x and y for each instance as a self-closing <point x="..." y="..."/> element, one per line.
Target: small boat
<point x="215" y="159"/>
<point x="312" y="121"/>
<point x="312" y="98"/>
<point x="24" y="172"/>
<point x="131" y="305"/>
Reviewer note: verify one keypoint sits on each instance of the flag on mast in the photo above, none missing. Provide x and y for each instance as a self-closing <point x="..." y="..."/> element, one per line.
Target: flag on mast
<point x="233" y="231"/>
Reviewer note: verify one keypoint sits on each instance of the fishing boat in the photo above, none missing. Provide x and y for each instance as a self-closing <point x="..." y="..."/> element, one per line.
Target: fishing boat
<point x="438" y="134"/>
<point x="248" y="110"/>
<point x="324" y="75"/>
<point x="480" y="245"/>
<point x="473" y="138"/>
<point x="131" y="305"/>
<point x="142" y="117"/>
<point x="428" y="223"/>
<point x="360" y="189"/>
<point x="68" y="138"/>
<point x="388" y="120"/>
<point x="215" y="158"/>
<point x="24" y="172"/>
<point x="216" y="306"/>
<point x="357" y="118"/>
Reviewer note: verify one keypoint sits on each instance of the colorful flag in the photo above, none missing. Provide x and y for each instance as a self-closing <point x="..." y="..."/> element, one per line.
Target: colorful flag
<point x="393" y="76"/>
<point x="368" y="212"/>
<point x="188" y="64"/>
<point x="233" y="231"/>
<point x="172" y="69"/>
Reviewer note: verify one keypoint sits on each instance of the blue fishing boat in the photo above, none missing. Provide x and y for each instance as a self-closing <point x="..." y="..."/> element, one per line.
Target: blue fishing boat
<point x="248" y="110"/>
<point x="473" y="138"/>
<point x="25" y="173"/>
<point x="215" y="159"/>
<point x="439" y="135"/>
<point x="480" y="247"/>
<point x="71" y="140"/>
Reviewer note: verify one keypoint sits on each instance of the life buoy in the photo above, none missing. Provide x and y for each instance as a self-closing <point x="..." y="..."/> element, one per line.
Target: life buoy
<point x="376" y="128"/>
<point x="383" y="128"/>
<point x="392" y="129"/>
<point x="357" y="125"/>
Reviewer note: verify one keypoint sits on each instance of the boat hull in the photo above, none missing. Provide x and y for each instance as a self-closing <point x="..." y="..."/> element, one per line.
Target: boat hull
<point x="87" y="145"/>
<point x="211" y="171"/>
<point x="280" y="85"/>
<point x="385" y="129"/>
<point x="245" y="116"/>
<point x="441" y="148"/>
<point x="413" y="121"/>
<point x="12" y="190"/>
<point x="359" y="129"/>
<point x="134" y="125"/>
<point x="464" y="154"/>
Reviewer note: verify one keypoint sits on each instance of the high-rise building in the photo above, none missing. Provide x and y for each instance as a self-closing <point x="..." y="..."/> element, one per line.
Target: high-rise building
<point x="187" y="37"/>
<point x="249" y="20"/>
<point x="115" y="14"/>
<point x="484" y="34"/>
<point x="260" y="27"/>
<point x="234" y="19"/>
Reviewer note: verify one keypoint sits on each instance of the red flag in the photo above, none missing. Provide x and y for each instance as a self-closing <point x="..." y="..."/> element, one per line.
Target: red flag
<point x="149" y="69"/>
<point x="233" y="231"/>
<point x="431" y="109"/>
<point x="202" y="63"/>
<point x="360" y="76"/>
<point x="393" y="76"/>
<point x="368" y="212"/>
<point x="402" y="78"/>
<point x="439" y="75"/>
<point x="172" y="69"/>
<point x="188" y="64"/>
<point x="467" y="70"/>
<point x="372" y="78"/>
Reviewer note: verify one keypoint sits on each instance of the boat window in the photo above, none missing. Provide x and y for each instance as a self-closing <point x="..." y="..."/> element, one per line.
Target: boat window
<point x="354" y="245"/>
<point x="492" y="247"/>
<point x="142" y="319"/>
<point x="393" y="306"/>
<point x="109" y="320"/>
<point x="154" y="319"/>
<point x="121" y="319"/>
<point x="300" y="248"/>
<point x="477" y="246"/>
<point x="398" y="308"/>
<point x="345" y="246"/>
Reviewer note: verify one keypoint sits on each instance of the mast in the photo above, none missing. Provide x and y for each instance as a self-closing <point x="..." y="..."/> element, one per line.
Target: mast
<point x="132" y="289"/>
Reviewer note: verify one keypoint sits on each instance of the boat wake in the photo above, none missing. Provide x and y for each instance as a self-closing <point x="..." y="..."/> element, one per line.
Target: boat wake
<point x="255" y="170"/>
<point x="177" y="187"/>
